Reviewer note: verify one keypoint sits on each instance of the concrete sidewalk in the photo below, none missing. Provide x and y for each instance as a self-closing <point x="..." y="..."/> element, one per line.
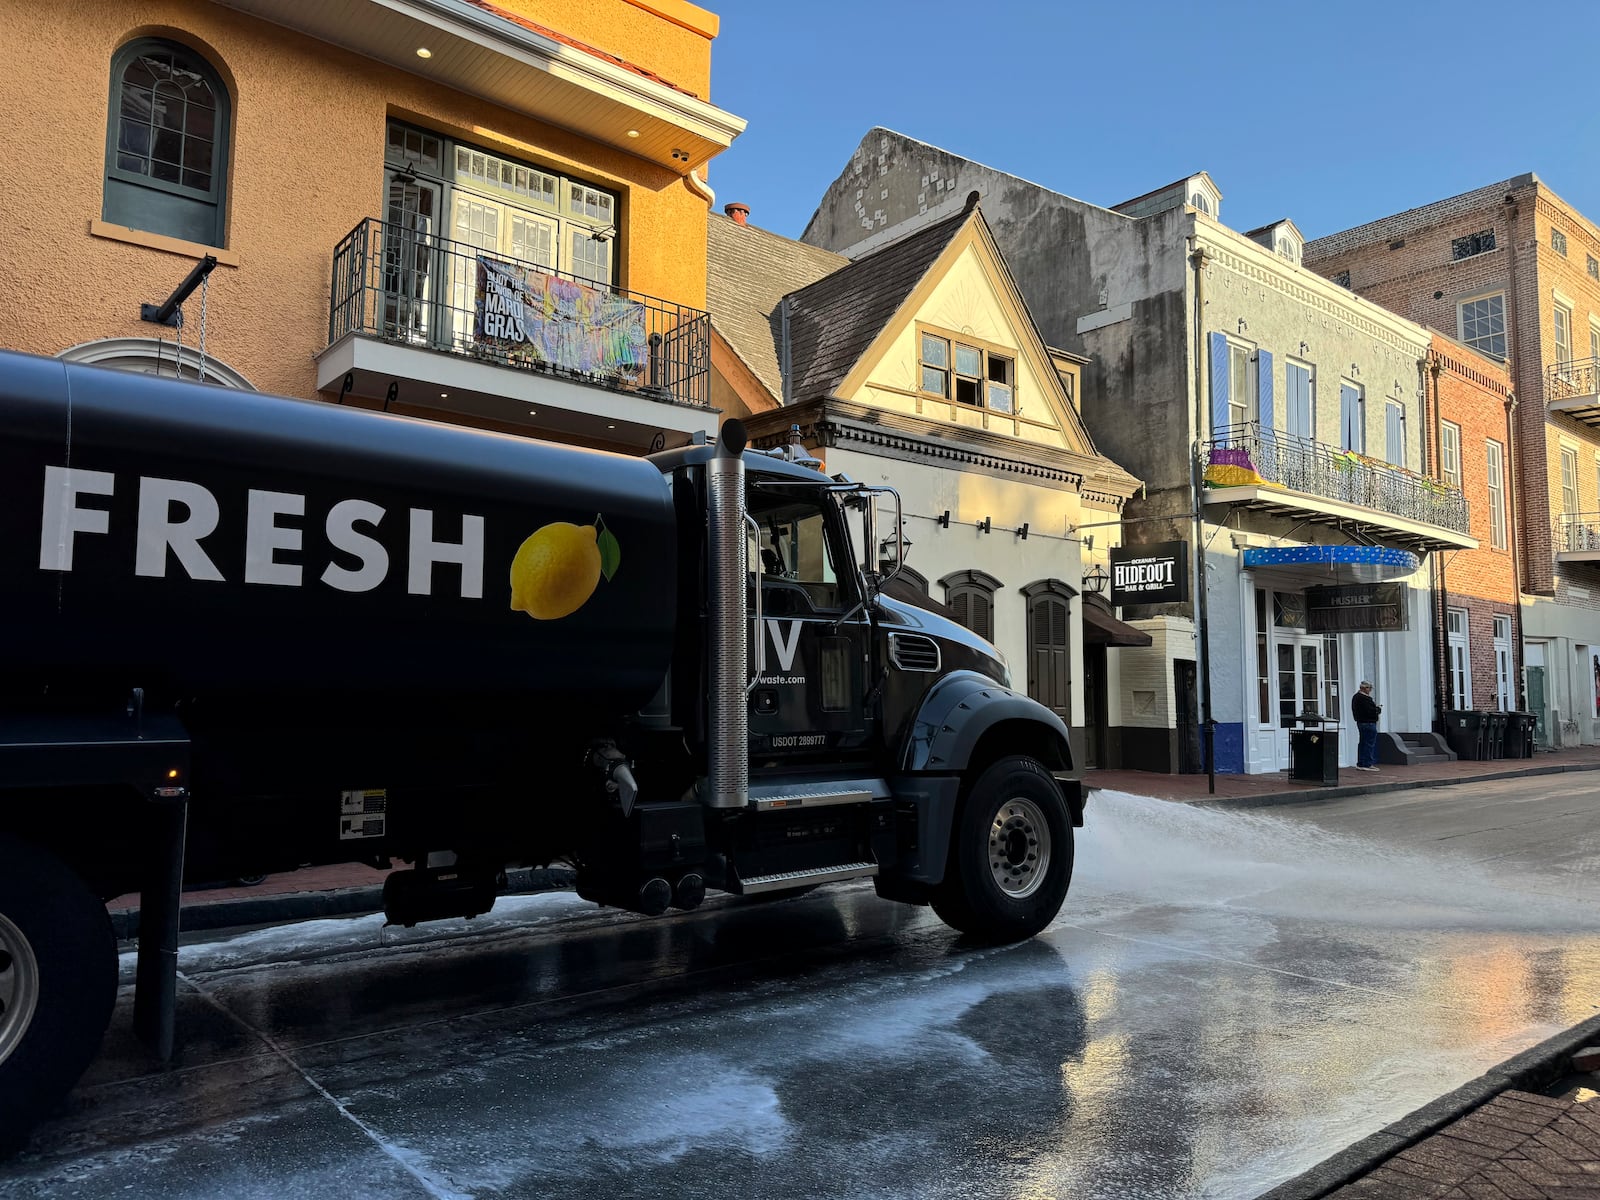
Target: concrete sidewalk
<point x="1243" y="791"/>
<point x="1527" y="1130"/>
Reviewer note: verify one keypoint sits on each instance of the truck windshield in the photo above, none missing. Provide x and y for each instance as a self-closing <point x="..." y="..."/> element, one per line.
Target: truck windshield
<point x="795" y="552"/>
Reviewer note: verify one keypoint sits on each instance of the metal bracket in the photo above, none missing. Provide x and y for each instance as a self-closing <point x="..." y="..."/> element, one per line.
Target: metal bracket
<point x="168" y="312"/>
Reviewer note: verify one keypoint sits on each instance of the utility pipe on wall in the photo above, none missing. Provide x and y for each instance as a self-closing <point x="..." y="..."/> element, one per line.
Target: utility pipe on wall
<point x="1198" y="602"/>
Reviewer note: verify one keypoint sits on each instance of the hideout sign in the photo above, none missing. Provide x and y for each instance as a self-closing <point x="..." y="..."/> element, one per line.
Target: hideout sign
<point x="1155" y="573"/>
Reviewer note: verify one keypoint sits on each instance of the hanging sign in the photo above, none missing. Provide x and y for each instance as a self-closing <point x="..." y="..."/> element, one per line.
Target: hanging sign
<point x="1359" y="608"/>
<point x="1155" y="573"/>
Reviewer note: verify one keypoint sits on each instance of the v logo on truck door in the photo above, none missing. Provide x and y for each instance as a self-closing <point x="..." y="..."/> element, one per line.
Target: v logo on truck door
<point x="784" y="650"/>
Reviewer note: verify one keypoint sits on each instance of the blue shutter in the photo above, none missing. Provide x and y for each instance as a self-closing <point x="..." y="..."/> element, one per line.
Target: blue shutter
<point x="1219" y="382"/>
<point x="1264" y="388"/>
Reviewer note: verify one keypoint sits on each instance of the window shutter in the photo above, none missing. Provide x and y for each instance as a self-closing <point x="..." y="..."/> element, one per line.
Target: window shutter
<point x="959" y="604"/>
<point x="1264" y="388"/>
<point x="983" y="616"/>
<point x="1219" y="383"/>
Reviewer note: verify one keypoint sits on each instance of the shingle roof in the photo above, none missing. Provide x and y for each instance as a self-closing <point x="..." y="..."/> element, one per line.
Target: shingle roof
<point x="749" y="271"/>
<point x="835" y="319"/>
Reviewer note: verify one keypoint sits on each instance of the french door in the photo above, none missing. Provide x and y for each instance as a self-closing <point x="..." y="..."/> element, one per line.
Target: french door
<point x="410" y="256"/>
<point x="1300" y="682"/>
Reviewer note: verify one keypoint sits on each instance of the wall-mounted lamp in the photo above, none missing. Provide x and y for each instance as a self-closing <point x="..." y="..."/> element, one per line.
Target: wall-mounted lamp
<point x="1088" y="542"/>
<point x="986" y="525"/>
<point x="1243" y="325"/>
<point x="1095" y="581"/>
<point x="1355" y="369"/>
<point x="943" y="520"/>
<point x="1022" y="530"/>
<point x="1304" y="349"/>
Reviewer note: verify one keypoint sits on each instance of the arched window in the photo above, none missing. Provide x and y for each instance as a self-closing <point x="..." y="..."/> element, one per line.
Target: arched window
<point x="166" y="143"/>
<point x="970" y="595"/>
<point x="1050" y="645"/>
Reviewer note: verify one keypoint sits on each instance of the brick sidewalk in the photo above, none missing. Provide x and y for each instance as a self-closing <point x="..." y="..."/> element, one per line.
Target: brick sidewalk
<point x="1518" y="1146"/>
<point x="1277" y="785"/>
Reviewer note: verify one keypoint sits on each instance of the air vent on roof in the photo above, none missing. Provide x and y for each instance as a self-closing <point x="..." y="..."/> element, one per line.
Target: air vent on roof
<point x="913" y="652"/>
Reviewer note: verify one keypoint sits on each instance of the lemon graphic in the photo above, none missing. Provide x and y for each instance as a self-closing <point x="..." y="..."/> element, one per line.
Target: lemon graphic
<point x="557" y="568"/>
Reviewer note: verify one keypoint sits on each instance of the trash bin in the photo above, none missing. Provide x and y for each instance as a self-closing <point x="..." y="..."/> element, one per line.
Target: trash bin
<point x="1519" y="735"/>
<point x="1496" y="736"/>
<point x="1465" y="730"/>
<point x="1314" y="752"/>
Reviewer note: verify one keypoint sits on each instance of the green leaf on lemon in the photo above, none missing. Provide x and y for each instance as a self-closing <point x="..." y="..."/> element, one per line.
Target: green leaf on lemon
<point x="610" y="552"/>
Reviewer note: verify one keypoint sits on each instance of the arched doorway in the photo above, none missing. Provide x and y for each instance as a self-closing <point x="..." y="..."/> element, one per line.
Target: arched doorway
<point x="155" y="356"/>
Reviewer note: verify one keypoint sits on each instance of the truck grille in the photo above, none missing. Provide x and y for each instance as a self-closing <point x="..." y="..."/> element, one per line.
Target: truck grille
<point x="913" y="652"/>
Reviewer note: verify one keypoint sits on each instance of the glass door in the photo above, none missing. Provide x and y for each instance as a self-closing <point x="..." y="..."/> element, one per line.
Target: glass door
<point x="410" y="256"/>
<point x="505" y="233"/>
<point x="1301" y="688"/>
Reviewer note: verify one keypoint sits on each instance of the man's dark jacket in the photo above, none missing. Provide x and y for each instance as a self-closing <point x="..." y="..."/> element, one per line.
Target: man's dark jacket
<point x="1365" y="709"/>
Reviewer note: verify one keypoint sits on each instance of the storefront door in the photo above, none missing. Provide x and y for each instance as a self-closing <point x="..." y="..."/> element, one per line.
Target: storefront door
<point x="1299" y="667"/>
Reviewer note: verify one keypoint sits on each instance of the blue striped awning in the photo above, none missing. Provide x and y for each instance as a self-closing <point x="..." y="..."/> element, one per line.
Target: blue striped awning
<point x="1359" y="564"/>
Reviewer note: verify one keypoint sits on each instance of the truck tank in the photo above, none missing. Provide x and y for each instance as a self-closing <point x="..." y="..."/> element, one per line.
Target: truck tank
<point x="258" y="561"/>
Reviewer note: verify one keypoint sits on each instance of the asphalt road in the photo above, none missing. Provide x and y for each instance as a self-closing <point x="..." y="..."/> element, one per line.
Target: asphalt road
<point x="1227" y="998"/>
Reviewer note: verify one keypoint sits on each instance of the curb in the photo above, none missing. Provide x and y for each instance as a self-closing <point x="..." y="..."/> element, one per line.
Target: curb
<point x="308" y="906"/>
<point x="1371" y="789"/>
<point x="1529" y="1071"/>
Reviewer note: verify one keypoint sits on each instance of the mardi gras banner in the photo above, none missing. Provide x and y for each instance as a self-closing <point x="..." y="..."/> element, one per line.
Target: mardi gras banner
<point x="533" y="317"/>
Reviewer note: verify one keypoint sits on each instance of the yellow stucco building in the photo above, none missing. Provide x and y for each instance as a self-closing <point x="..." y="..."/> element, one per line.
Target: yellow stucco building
<point x="491" y="213"/>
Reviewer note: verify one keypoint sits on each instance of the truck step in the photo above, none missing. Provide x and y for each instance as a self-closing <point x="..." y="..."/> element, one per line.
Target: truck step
<point x="807" y="878"/>
<point x="765" y="797"/>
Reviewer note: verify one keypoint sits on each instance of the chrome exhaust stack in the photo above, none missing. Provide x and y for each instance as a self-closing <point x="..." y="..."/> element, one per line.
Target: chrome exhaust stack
<point x="728" y="749"/>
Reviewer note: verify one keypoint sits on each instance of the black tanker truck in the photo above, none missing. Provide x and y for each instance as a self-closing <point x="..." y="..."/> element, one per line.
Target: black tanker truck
<point x="241" y="633"/>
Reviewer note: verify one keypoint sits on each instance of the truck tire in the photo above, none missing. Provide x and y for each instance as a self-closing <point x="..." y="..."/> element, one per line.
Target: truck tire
<point x="58" y="984"/>
<point x="1010" y="854"/>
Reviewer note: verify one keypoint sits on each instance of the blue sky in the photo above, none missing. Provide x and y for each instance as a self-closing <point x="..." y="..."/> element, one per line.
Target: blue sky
<point x="1332" y="114"/>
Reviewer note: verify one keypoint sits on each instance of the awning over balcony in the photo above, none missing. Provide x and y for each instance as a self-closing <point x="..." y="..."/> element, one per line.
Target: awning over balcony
<point x="482" y="51"/>
<point x="1333" y="564"/>
<point x="1254" y="467"/>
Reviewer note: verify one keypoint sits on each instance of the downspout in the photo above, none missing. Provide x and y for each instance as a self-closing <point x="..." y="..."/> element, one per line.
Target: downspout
<point x="1514" y="502"/>
<point x="1199" y="606"/>
<point x="1433" y="414"/>
<point x="700" y="187"/>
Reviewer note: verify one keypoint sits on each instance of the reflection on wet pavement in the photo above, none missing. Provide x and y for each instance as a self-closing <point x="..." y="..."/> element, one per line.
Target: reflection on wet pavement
<point x="1227" y="998"/>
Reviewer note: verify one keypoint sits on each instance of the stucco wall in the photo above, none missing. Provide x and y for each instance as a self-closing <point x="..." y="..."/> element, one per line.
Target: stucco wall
<point x="668" y="37"/>
<point x="306" y="166"/>
<point x="927" y="491"/>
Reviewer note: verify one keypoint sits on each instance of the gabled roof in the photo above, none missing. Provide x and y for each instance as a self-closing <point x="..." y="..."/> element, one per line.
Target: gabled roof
<point x="833" y="321"/>
<point x="749" y="272"/>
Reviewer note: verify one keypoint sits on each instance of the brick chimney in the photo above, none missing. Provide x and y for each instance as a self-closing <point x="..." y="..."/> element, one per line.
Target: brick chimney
<point x="739" y="212"/>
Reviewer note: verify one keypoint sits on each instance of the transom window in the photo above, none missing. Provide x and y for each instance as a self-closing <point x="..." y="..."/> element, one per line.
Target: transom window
<point x="166" y="145"/>
<point x="1483" y="324"/>
<point x="968" y="374"/>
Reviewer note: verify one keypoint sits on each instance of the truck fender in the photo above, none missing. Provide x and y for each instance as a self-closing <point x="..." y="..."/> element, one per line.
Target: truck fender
<point x="962" y="707"/>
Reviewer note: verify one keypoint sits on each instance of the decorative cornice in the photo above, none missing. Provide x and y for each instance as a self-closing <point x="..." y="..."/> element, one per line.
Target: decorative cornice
<point x="844" y="423"/>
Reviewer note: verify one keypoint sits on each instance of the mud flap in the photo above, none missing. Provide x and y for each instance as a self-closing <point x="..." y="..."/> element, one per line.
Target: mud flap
<point x="155" y="991"/>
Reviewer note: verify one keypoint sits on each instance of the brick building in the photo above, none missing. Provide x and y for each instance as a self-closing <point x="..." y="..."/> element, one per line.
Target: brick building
<point x="1475" y="591"/>
<point x="1513" y="271"/>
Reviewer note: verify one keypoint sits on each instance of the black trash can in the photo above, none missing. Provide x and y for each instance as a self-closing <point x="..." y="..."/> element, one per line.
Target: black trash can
<point x="1496" y="736"/>
<point x="1314" y="752"/>
<point x="1465" y="730"/>
<point x="1519" y="735"/>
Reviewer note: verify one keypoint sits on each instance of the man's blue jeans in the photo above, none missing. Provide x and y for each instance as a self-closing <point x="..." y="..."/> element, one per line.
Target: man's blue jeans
<point x="1367" y="750"/>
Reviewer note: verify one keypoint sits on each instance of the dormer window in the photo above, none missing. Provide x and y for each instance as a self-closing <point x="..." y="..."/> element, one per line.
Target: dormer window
<point x="973" y="375"/>
<point x="1201" y="201"/>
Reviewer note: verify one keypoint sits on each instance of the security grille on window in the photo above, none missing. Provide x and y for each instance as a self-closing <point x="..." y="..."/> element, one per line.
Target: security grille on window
<point x="970" y="375"/>
<point x="1342" y="278"/>
<point x="1558" y="242"/>
<point x="1483" y="324"/>
<point x="1474" y="243"/>
<point x="167" y="143"/>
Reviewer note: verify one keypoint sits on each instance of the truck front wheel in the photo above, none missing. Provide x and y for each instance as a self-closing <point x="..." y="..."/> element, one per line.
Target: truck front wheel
<point x="1010" y="854"/>
<point x="58" y="983"/>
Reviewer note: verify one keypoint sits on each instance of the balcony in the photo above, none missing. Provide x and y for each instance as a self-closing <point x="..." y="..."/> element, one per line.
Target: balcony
<point x="1266" y="469"/>
<point x="1573" y="388"/>
<point x="460" y="330"/>
<point x="1577" y="537"/>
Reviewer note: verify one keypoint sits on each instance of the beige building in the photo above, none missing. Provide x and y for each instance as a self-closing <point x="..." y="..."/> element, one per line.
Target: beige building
<point x="918" y="366"/>
<point x="1513" y="271"/>
<point x="374" y="185"/>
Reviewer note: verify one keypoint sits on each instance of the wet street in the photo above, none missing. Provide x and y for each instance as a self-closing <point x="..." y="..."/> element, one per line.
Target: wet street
<point x="1227" y="998"/>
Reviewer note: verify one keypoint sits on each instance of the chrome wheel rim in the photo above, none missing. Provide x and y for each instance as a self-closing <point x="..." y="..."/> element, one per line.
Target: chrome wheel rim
<point x="1019" y="848"/>
<point x="19" y="986"/>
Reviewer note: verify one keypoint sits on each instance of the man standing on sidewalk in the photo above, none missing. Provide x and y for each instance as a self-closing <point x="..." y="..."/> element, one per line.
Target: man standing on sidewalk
<point x="1366" y="710"/>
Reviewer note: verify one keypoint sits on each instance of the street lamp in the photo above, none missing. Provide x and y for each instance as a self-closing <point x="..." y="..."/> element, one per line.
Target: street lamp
<point x="1095" y="581"/>
<point x="886" y="550"/>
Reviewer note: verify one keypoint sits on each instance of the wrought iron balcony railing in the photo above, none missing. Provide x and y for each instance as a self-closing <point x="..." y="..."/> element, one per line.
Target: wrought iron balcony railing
<point x="1251" y="455"/>
<point x="1567" y="380"/>
<point x="1576" y="532"/>
<point x="414" y="288"/>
